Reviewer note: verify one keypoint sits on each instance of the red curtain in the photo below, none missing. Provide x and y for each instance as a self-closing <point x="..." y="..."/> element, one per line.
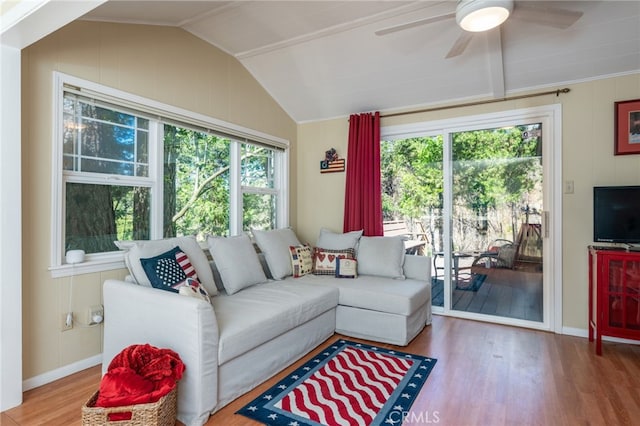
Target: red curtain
<point x="363" y="197"/>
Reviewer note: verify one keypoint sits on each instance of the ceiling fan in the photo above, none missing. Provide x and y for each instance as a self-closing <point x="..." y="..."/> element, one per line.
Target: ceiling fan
<point x="474" y="16"/>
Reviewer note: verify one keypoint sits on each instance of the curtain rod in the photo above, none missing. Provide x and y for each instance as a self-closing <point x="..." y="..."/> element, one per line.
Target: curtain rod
<point x="490" y="101"/>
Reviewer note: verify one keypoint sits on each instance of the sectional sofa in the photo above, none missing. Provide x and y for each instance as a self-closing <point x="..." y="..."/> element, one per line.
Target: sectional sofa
<point x="265" y="305"/>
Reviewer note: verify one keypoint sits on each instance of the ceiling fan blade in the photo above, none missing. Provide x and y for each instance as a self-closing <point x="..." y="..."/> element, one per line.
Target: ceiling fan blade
<point x="541" y="13"/>
<point x="416" y="23"/>
<point x="460" y="45"/>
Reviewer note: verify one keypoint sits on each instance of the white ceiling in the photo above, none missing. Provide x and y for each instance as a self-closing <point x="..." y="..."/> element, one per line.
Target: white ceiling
<point x="322" y="59"/>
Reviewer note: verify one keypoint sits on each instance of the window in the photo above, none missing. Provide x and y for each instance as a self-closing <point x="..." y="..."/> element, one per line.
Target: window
<point x="259" y="192"/>
<point x="106" y="175"/>
<point x="127" y="168"/>
<point x="196" y="171"/>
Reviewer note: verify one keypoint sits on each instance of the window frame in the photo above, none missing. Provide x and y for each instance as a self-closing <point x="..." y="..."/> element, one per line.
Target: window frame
<point x="261" y="190"/>
<point x="159" y="114"/>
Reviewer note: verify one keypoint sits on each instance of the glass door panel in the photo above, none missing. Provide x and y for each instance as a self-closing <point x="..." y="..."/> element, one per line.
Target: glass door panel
<point x="495" y="224"/>
<point x="412" y="194"/>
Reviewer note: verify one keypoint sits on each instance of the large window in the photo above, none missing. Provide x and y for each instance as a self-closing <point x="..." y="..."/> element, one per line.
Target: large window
<point x="127" y="168"/>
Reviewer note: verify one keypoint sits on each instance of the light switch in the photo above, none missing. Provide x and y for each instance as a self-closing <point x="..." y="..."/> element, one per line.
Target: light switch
<point x="568" y="187"/>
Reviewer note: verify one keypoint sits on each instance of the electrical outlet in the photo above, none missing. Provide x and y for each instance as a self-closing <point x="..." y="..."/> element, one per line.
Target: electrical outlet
<point x="66" y="321"/>
<point x="95" y="314"/>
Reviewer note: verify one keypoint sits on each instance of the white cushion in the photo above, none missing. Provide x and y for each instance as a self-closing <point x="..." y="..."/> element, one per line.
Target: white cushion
<point x="375" y="292"/>
<point x="275" y="246"/>
<point x="237" y="262"/>
<point x="382" y="327"/>
<point x="265" y="311"/>
<point x="151" y="248"/>
<point x="417" y="267"/>
<point x="382" y="256"/>
<point x="335" y="241"/>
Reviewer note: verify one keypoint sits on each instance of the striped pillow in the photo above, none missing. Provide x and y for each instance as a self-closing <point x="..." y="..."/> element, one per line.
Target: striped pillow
<point x="185" y="264"/>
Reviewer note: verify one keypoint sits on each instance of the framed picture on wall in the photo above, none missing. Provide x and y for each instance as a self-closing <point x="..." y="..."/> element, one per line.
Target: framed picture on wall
<point x="627" y="127"/>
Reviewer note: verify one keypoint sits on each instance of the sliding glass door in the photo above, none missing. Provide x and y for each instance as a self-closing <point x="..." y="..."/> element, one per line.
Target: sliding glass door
<point x="478" y="189"/>
<point x="496" y="210"/>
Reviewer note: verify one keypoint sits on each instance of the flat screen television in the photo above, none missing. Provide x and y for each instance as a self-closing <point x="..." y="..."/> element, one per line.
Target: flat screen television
<point x="616" y="214"/>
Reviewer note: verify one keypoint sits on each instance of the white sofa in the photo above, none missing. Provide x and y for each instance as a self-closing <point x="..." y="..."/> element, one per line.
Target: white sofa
<point x="239" y="340"/>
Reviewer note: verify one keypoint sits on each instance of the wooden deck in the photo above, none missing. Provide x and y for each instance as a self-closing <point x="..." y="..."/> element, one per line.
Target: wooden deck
<point x="508" y="293"/>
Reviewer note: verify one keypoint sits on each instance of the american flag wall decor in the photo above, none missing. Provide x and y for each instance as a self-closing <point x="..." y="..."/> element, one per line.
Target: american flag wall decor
<point x="332" y="166"/>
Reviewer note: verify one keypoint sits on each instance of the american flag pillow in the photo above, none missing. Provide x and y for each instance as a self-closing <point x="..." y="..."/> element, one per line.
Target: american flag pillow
<point x="169" y="270"/>
<point x="185" y="264"/>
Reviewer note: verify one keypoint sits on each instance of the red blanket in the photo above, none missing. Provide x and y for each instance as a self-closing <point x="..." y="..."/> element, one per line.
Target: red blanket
<point x="139" y="374"/>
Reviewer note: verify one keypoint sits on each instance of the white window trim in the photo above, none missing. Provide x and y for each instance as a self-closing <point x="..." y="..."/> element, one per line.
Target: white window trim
<point x="115" y="260"/>
<point x="235" y="192"/>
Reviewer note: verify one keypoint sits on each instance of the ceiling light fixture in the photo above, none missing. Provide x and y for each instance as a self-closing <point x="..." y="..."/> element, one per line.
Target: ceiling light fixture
<point x="482" y="15"/>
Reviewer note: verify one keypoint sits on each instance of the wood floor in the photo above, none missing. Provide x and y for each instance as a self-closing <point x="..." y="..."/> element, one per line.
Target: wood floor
<point x="486" y="374"/>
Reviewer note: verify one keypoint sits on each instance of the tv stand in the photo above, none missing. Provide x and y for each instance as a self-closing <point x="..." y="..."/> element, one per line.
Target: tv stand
<point x="614" y="294"/>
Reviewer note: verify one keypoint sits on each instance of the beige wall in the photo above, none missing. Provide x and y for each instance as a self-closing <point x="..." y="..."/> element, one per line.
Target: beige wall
<point x="588" y="160"/>
<point x="161" y="63"/>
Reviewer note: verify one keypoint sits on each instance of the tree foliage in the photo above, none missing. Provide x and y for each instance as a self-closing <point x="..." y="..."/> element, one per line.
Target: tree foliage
<point x="196" y="183"/>
<point x="495" y="174"/>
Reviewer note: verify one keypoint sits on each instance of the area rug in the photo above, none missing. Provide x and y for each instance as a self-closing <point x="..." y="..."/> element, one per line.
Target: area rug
<point x="347" y="383"/>
<point x="471" y="285"/>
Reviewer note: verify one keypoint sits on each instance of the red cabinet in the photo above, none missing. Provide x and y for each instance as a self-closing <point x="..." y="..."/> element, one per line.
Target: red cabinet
<point x="614" y="294"/>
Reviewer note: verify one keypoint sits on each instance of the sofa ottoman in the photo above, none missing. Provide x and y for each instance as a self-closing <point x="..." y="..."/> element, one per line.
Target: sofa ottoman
<point x="379" y="308"/>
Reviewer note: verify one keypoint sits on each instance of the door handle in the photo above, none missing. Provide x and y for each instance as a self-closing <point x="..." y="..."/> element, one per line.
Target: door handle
<point x="545" y="224"/>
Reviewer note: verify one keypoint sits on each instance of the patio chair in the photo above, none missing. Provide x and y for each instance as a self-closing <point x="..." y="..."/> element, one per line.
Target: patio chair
<point x="501" y="253"/>
<point x="414" y="242"/>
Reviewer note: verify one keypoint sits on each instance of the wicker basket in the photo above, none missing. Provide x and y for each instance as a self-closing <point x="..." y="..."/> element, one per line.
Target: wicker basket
<point x="159" y="413"/>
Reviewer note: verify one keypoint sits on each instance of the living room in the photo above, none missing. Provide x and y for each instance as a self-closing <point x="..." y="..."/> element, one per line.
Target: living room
<point x="127" y="57"/>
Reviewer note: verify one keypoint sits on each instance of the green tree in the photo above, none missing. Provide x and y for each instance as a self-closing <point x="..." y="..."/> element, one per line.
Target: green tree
<point x="412" y="183"/>
<point x="196" y="183"/>
<point x="493" y="170"/>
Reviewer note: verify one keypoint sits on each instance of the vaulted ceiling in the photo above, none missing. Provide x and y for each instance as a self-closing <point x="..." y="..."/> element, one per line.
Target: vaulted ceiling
<point x="326" y="59"/>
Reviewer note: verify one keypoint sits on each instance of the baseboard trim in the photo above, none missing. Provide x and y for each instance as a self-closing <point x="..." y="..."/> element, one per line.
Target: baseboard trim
<point x="59" y="373"/>
<point x="581" y="332"/>
<point x="577" y="332"/>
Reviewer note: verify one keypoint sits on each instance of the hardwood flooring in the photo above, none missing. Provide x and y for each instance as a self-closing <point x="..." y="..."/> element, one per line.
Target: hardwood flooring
<point x="486" y="374"/>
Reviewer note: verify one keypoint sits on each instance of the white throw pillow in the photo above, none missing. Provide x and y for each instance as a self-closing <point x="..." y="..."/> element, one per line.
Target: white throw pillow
<point x="382" y="256"/>
<point x="275" y="246"/>
<point x="145" y="249"/>
<point x="237" y="262"/>
<point x="336" y="241"/>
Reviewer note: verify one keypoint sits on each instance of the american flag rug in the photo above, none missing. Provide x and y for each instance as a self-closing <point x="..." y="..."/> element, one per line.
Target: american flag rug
<point x="347" y="384"/>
